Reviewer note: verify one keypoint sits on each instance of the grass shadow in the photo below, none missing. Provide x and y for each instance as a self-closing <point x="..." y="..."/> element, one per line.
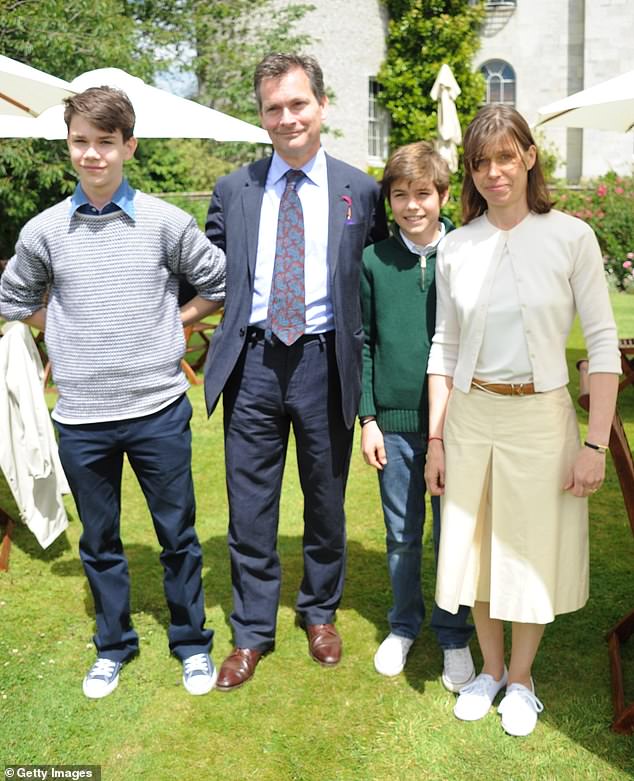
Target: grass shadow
<point x="363" y="564"/>
<point x="571" y="669"/>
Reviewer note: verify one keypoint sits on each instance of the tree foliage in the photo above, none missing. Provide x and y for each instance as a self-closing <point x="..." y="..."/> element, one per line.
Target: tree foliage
<point x="422" y="35"/>
<point x="220" y="40"/>
<point x="67" y="37"/>
<point x="63" y="37"/>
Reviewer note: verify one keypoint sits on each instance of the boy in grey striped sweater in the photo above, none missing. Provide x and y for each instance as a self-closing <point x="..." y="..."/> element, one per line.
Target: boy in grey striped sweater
<point x="110" y="258"/>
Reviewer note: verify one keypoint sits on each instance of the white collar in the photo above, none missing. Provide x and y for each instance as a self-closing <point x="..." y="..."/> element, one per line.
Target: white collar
<point x="427" y="249"/>
<point x="315" y="169"/>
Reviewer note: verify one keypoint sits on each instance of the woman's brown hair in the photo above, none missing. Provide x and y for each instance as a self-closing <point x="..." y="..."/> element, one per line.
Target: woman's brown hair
<point x="492" y="125"/>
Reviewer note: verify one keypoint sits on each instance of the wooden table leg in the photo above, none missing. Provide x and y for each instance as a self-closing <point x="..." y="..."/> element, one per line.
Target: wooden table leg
<point x="623" y="722"/>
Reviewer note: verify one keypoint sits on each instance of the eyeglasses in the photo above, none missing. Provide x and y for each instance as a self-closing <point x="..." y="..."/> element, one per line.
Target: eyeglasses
<point x="504" y="161"/>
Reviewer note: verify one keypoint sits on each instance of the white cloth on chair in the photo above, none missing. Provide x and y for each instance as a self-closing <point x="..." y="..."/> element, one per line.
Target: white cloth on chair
<point x="28" y="450"/>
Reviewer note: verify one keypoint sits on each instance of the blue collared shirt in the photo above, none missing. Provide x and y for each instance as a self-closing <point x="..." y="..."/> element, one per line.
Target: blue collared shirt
<point x="313" y="194"/>
<point x="122" y="199"/>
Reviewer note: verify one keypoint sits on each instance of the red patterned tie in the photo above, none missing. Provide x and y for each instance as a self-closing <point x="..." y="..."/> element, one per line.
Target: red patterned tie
<point x="287" y="304"/>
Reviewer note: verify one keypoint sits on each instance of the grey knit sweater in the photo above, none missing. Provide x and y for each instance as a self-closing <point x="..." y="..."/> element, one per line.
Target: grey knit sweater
<point x="113" y="329"/>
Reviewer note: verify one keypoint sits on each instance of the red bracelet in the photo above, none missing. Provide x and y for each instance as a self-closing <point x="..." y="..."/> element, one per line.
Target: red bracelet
<point x="429" y="439"/>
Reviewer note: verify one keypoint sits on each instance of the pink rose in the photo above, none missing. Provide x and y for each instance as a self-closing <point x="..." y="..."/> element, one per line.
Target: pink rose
<point x="619" y="190"/>
<point x="627" y="264"/>
<point x="602" y="190"/>
<point x="630" y="255"/>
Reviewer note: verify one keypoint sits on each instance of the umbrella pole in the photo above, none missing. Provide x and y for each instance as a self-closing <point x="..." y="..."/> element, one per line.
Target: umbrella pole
<point x="17" y="104"/>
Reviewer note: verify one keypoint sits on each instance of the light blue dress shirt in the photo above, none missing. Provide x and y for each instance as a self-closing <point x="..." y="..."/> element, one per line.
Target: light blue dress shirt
<point x="123" y="198"/>
<point x="313" y="194"/>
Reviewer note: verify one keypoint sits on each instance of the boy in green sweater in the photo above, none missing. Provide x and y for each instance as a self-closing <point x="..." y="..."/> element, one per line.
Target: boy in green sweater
<point x="398" y="298"/>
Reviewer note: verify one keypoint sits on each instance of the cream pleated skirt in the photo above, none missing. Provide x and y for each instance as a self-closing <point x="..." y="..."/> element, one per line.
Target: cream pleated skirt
<point x="510" y="535"/>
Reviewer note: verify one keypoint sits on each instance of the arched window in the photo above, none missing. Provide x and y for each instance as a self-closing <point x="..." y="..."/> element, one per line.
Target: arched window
<point x="500" y="79"/>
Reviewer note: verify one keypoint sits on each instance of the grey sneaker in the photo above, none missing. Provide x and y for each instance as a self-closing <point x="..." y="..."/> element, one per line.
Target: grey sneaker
<point x="199" y="674"/>
<point x="458" y="670"/>
<point x="102" y="678"/>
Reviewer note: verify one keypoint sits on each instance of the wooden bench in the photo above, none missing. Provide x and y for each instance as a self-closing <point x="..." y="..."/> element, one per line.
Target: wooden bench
<point x="626" y="348"/>
<point x="204" y="331"/>
<point x="624" y="466"/>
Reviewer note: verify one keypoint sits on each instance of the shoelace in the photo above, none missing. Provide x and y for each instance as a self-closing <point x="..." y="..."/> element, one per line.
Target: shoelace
<point x="478" y="686"/>
<point x="457" y="665"/>
<point x="196" y="663"/>
<point x="102" y="668"/>
<point x="528" y="697"/>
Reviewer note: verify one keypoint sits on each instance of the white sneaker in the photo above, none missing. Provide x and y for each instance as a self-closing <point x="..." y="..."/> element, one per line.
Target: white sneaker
<point x="391" y="654"/>
<point x="476" y="698"/>
<point x="458" y="670"/>
<point x="519" y="709"/>
<point x="199" y="674"/>
<point x="102" y="678"/>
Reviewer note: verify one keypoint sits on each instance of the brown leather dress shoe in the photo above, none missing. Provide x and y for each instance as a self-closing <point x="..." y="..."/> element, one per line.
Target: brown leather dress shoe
<point x="237" y="668"/>
<point x="324" y="644"/>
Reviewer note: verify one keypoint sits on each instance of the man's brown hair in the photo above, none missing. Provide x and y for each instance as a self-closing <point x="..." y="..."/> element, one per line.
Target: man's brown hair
<point x="107" y="108"/>
<point x="274" y="66"/>
<point x="418" y="160"/>
<point x="497" y="126"/>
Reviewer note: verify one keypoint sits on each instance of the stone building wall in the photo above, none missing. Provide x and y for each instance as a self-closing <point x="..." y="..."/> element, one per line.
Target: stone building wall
<point x="556" y="47"/>
<point x="349" y="42"/>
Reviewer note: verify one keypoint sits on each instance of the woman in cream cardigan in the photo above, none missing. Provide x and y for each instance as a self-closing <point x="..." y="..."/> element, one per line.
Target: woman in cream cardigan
<point x="504" y="447"/>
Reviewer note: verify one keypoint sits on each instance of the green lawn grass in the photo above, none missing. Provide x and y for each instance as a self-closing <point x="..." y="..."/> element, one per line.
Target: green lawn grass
<point x="297" y="721"/>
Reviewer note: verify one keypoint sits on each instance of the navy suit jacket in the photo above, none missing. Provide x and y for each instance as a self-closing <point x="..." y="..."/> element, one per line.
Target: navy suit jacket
<point x="233" y="223"/>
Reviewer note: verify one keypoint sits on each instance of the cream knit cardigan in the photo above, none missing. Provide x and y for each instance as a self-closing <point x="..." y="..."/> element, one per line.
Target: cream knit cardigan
<point x="558" y="269"/>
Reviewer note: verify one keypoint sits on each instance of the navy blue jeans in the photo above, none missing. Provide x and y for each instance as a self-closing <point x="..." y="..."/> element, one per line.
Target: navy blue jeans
<point x="158" y="448"/>
<point x="403" y="496"/>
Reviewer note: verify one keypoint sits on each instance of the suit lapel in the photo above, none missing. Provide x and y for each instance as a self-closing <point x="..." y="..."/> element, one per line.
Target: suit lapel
<point x="252" y="195"/>
<point x="340" y="209"/>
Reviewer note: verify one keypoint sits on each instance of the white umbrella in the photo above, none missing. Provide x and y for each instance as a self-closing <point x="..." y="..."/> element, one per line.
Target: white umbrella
<point x="26" y="91"/>
<point x="159" y="114"/>
<point x="445" y="91"/>
<point x="606" y="106"/>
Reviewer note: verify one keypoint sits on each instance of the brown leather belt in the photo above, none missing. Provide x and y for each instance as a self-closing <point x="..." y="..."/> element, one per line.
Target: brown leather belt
<point x="505" y="389"/>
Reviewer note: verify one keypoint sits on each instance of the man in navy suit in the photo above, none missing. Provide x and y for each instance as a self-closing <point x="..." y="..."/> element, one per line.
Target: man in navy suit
<point x="268" y="384"/>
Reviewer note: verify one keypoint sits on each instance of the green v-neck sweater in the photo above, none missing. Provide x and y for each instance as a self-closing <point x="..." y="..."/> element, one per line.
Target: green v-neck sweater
<point x="398" y="305"/>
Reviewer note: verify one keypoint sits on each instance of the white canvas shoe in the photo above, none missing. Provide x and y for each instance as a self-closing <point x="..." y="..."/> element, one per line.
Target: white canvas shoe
<point x="519" y="710"/>
<point x="476" y="698"/>
<point x="391" y="654"/>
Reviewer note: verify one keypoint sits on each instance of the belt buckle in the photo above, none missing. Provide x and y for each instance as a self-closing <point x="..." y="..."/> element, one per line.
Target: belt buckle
<point x="517" y="390"/>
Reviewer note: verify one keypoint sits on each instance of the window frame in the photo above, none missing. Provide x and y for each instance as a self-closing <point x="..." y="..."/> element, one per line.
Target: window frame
<point x="493" y="72"/>
<point x="378" y="126"/>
